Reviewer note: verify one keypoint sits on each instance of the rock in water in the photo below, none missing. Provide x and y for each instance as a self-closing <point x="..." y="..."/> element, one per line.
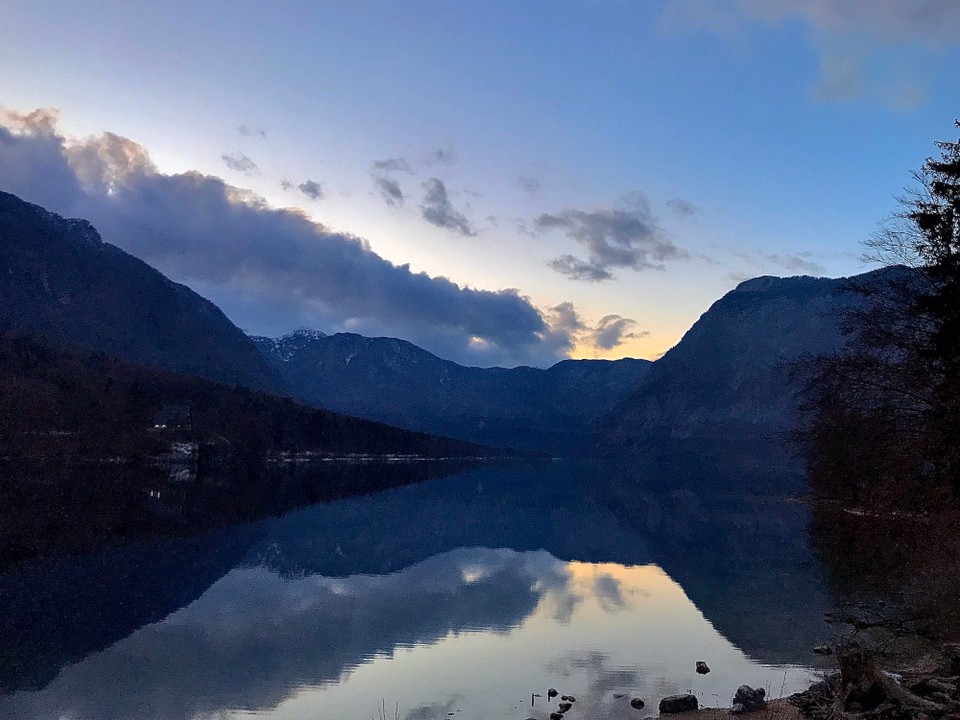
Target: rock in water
<point x="564" y="706"/>
<point x="556" y="716"/>
<point x="747" y="699"/>
<point x="702" y="668"/>
<point x="636" y="703"/>
<point x="678" y="704"/>
<point x="552" y="693"/>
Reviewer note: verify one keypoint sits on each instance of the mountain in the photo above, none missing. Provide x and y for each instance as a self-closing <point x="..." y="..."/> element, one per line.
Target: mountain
<point x="727" y="388"/>
<point x="59" y="280"/>
<point x="396" y="382"/>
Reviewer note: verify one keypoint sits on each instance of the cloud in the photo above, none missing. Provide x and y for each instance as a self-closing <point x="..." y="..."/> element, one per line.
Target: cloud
<point x="240" y="163"/>
<point x="286" y="184"/>
<point x="437" y="209"/>
<point x="802" y="262"/>
<point x="312" y="189"/>
<point x="565" y="317"/>
<point x="388" y="187"/>
<point x="397" y="164"/>
<point x="856" y="41"/>
<point x="613" y="330"/>
<point x="529" y="183"/>
<point x="442" y="156"/>
<point x="247" y="131"/>
<point x="682" y="208"/>
<point x="628" y="236"/>
<point x="930" y="22"/>
<point x="389" y="190"/>
<point x="577" y="269"/>
<point x="269" y="269"/>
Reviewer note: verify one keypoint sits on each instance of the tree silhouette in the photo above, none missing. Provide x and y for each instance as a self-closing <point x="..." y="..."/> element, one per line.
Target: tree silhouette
<point x="882" y="414"/>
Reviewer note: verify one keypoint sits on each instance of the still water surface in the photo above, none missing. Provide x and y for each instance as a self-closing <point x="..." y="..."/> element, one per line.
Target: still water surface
<point x="456" y="598"/>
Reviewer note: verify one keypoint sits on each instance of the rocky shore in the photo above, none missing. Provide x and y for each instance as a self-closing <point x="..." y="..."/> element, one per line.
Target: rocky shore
<point x="861" y="689"/>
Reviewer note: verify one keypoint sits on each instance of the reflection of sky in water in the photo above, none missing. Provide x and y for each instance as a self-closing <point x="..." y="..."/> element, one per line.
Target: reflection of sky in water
<point x="470" y="632"/>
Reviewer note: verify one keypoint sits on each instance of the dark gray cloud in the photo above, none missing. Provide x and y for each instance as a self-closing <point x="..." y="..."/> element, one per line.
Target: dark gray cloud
<point x="286" y="184"/>
<point x="389" y="190"/>
<point x="565" y="317"/>
<point x="382" y="173"/>
<point x="628" y="236"/>
<point x="438" y="210"/>
<point x="397" y="164"/>
<point x="269" y="269"/>
<point x="239" y="162"/>
<point x="442" y="156"/>
<point x="248" y="131"/>
<point x="528" y="183"/>
<point x="681" y="207"/>
<point x="577" y="269"/>
<point x="312" y="189"/>
<point x="613" y="330"/>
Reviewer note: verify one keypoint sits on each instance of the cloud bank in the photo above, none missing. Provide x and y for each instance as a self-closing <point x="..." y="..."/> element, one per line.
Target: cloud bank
<point x="269" y="269"/>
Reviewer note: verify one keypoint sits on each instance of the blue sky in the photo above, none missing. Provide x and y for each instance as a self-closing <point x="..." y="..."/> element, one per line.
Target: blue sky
<point x="500" y="182"/>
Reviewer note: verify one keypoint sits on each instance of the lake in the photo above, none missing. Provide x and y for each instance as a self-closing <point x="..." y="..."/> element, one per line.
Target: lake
<point x="461" y="597"/>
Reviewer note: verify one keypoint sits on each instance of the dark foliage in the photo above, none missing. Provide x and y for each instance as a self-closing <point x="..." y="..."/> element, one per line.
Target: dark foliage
<point x="881" y="416"/>
<point x="59" y="404"/>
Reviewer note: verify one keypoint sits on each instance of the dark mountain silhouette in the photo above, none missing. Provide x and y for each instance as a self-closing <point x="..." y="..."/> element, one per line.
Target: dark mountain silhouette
<point x="396" y="382"/>
<point x="730" y="386"/>
<point x="59" y="280"/>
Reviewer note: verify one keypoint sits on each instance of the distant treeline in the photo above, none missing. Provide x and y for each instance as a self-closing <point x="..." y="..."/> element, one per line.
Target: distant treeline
<point x="63" y="404"/>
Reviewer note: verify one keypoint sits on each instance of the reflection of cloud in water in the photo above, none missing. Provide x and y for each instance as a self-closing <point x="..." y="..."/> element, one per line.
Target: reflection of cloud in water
<point x="434" y="711"/>
<point x="472" y="629"/>
<point x="596" y="696"/>
<point x="607" y="591"/>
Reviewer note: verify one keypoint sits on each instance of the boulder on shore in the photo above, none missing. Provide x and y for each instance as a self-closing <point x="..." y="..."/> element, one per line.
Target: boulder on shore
<point x="679" y="704"/>
<point x="702" y="667"/>
<point x="748" y="699"/>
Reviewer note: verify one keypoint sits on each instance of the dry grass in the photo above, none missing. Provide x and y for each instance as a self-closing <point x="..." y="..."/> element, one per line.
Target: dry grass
<point x="776" y="710"/>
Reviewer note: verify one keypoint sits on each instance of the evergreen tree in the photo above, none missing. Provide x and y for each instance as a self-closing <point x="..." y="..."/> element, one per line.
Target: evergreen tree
<point x="884" y="414"/>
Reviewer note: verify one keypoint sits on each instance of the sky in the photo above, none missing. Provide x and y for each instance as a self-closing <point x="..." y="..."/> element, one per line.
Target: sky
<point x="502" y="183"/>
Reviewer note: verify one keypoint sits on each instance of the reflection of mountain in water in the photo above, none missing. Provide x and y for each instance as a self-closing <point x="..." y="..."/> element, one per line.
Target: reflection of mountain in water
<point x="57" y="612"/>
<point x="726" y="551"/>
<point x="255" y="640"/>
<point x="743" y="563"/>
<point x="254" y="637"/>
